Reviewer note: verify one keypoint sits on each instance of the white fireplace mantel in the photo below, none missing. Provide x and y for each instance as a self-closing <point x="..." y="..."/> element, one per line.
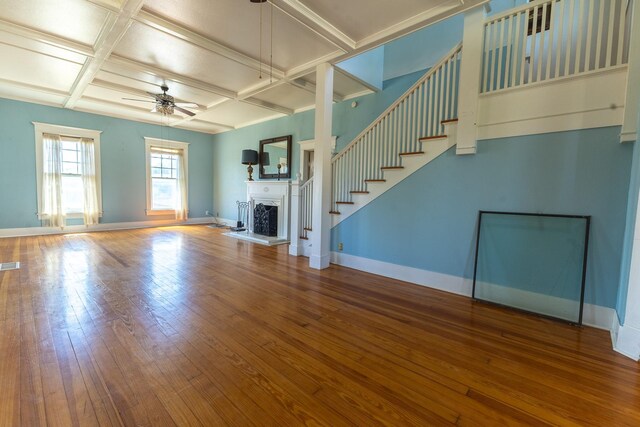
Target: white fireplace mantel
<point x="269" y="193"/>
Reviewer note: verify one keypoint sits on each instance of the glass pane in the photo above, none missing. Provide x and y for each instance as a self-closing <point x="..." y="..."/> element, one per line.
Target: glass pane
<point x="533" y="263"/>
<point x="70" y="168"/>
<point x="66" y="144"/>
<point x="155" y="162"/>
<point x="69" y="156"/>
<point x="163" y="194"/>
<point x="156" y="172"/>
<point x="166" y="173"/>
<point x="72" y="194"/>
<point x="166" y="162"/>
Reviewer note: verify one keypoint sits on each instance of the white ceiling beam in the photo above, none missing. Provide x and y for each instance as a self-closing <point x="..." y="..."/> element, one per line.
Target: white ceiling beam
<point x="268" y="105"/>
<point x="310" y="67"/>
<point x="316" y="23"/>
<point x="49" y="39"/>
<point x="184" y="34"/>
<point x="35" y="88"/>
<point x="421" y="20"/>
<point x="169" y="75"/>
<point x="96" y="110"/>
<point x="125" y="90"/>
<point x="109" y="5"/>
<point x="113" y="30"/>
<point x="311" y="88"/>
<point x="357" y="79"/>
<point x="199" y="114"/>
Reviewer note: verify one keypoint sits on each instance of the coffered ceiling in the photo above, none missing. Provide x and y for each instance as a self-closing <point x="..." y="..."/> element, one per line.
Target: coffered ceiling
<point x="90" y="54"/>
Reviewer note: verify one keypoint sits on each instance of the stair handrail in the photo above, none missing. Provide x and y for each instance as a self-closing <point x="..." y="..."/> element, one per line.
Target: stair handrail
<point x="398" y="101"/>
<point x="306" y="183"/>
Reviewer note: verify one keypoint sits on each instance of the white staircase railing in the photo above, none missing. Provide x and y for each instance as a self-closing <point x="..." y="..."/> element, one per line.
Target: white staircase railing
<point x="415" y="117"/>
<point x="551" y="39"/>
<point x="306" y="208"/>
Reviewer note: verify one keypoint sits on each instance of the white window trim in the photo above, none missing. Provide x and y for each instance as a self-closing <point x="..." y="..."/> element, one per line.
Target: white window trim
<point x="163" y="143"/>
<point x="40" y="130"/>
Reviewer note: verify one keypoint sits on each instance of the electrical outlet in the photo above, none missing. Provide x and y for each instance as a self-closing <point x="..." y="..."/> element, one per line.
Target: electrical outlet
<point x="340" y="246"/>
<point x="207" y="213"/>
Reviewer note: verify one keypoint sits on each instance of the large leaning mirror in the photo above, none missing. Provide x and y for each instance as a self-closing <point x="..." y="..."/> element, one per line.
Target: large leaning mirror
<point x="275" y="157"/>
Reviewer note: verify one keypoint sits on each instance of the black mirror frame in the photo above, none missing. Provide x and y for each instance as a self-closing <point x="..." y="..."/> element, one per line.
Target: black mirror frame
<point x="261" y="154"/>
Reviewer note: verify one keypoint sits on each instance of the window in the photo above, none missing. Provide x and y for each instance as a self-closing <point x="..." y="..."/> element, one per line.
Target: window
<point x="72" y="190"/>
<point x="167" y="171"/>
<point x="68" y="174"/>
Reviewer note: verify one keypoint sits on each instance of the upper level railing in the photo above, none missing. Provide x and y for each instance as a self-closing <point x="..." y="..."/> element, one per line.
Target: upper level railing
<point x="416" y="114"/>
<point x="551" y="39"/>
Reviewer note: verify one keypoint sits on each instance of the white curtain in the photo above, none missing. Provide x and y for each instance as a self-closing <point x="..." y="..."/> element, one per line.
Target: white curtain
<point x="181" y="198"/>
<point x="52" y="211"/>
<point x="89" y="184"/>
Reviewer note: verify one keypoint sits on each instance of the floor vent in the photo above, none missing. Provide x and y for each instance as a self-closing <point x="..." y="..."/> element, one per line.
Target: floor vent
<point x="9" y="266"/>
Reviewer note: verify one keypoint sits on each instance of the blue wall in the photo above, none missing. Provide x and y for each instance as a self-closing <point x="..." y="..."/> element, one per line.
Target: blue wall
<point x="348" y="122"/>
<point x="122" y="163"/>
<point x="580" y="172"/>
<point x="367" y="66"/>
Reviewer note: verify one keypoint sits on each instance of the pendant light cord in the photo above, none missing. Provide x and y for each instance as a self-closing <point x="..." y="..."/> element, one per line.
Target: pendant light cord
<point x="271" y="48"/>
<point x="260" y="75"/>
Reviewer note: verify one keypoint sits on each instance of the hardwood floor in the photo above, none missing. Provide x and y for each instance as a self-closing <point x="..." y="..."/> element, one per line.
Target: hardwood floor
<point x="184" y="326"/>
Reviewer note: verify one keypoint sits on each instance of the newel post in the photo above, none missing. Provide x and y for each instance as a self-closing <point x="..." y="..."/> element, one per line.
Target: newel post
<point x="295" y="247"/>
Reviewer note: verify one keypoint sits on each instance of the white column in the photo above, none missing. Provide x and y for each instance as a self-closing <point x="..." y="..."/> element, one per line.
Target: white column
<point x="321" y="237"/>
<point x="632" y="103"/>
<point x="470" y="72"/>
<point x="626" y="337"/>
<point x="295" y="248"/>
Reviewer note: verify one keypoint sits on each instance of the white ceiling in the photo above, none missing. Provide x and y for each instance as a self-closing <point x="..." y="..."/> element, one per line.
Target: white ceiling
<point x="89" y="54"/>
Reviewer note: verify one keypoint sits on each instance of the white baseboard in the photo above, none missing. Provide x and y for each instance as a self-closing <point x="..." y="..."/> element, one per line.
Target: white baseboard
<point x="593" y="315"/>
<point x="226" y="221"/>
<point x="626" y="339"/>
<point x="319" y="262"/>
<point x="41" y="231"/>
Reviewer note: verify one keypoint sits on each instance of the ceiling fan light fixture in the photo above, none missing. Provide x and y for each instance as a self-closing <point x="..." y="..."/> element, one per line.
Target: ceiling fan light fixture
<point x="164" y="108"/>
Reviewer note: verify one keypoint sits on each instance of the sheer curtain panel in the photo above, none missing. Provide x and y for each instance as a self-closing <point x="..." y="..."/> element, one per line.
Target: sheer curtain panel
<point x="89" y="184"/>
<point x="52" y="211"/>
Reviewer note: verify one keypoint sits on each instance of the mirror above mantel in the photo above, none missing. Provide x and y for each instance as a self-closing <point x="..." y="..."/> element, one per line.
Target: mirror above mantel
<point x="274" y="152"/>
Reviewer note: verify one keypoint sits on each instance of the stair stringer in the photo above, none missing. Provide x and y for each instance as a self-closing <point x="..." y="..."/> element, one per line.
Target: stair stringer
<point x="432" y="149"/>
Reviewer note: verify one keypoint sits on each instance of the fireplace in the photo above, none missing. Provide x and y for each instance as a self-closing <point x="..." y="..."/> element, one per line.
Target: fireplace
<point x="265" y="220"/>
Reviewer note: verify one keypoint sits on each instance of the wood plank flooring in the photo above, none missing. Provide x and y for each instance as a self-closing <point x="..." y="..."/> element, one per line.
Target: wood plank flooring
<point x="184" y="326"/>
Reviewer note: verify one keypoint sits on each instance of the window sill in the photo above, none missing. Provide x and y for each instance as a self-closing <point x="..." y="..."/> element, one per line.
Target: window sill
<point x="151" y="212"/>
<point x="80" y="215"/>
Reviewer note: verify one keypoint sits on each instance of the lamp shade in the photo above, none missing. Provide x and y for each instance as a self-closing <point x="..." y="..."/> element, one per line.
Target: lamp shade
<point x="249" y="157"/>
<point x="265" y="159"/>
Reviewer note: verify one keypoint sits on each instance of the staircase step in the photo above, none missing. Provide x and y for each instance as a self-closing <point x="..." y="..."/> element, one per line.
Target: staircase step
<point x="412" y="153"/>
<point x="344" y="203"/>
<point x="307" y="229"/>
<point x="375" y="180"/>
<point x="359" y="192"/>
<point x="334" y="212"/>
<point x="304" y="238"/>
<point x="427" y="138"/>
<point x="391" y="167"/>
<point x="449" y="121"/>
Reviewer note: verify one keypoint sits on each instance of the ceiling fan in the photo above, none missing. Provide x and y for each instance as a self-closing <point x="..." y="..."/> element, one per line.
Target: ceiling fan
<point x="165" y="104"/>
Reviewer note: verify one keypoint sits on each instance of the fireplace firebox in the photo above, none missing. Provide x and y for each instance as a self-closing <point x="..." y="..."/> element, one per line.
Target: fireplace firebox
<point x="265" y="220"/>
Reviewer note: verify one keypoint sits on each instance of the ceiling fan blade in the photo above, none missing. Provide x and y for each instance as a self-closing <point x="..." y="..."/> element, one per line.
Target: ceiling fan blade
<point x="182" y="110"/>
<point x="139" y="100"/>
<point x="187" y="105"/>
<point x="153" y="95"/>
